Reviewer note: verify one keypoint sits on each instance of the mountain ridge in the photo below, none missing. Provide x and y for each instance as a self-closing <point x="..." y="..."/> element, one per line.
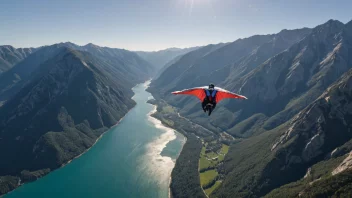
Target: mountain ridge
<point x="9" y="56"/>
<point x="161" y="57"/>
<point x="288" y="79"/>
<point x="66" y="100"/>
<point x="125" y="65"/>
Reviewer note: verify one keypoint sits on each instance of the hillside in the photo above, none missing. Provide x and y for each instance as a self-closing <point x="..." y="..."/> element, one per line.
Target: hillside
<point x="298" y="88"/>
<point x="223" y="66"/>
<point x="125" y="67"/>
<point x="160" y="58"/>
<point x="61" y="108"/>
<point x="10" y="56"/>
<point x="287" y="152"/>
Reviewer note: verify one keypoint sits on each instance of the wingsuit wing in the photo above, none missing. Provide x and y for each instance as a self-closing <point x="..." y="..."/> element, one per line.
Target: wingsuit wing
<point x="197" y="91"/>
<point x="222" y="94"/>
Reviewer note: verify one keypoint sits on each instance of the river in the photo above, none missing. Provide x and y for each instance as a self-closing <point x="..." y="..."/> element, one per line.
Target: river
<point x="133" y="159"/>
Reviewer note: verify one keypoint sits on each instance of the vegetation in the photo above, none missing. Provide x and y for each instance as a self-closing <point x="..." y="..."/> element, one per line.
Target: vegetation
<point x="8" y="183"/>
<point x="297" y="112"/>
<point x="185" y="177"/>
<point x="339" y="185"/>
<point x="208" y="191"/>
<point x="68" y="101"/>
<point x="224" y="150"/>
<point x="204" y="163"/>
<point x="249" y="127"/>
<point x="244" y="167"/>
<point x="185" y="180"/>
<point x="211" y="156"/>
<point x="207" y="177"/>
<point x="211" y="159"/>
<point x="319" y="171"/>
<point x="27" y="176"/>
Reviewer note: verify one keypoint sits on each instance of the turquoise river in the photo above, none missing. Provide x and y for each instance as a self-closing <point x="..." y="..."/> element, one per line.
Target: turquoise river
<point x="133" y="159"/>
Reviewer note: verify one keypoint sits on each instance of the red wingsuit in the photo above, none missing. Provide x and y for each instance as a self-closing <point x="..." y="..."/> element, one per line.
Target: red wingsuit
<point x="209" y="96"/>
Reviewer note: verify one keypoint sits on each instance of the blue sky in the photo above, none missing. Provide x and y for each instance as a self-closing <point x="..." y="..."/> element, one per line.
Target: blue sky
<point x="157" y="24"/>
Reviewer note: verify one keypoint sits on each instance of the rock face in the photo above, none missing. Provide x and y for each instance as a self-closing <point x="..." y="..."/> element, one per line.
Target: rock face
<point x="346" y="164"/>
<point x="10" y="56"/>
<point x="321" y="125"/>
<point x="297" y="76"/>
<point x="66" y="102"/>
<point x="288" y="151"/>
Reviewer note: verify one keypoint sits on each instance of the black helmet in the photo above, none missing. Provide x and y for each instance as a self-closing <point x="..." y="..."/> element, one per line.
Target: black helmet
<point x="211" y="86"/>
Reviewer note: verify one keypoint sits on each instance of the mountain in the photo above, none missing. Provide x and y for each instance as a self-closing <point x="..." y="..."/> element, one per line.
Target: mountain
<point x="179" y="67"/>
<point x="159" y="58"/>
<point x="239" y="56"/>
<point x="286" y="83"/>
<point x="122" y="65"/>
<point x="68" y="103"/>
<point x="222" y="66"/>
<point x="319" y="135"/>
<point x="123" y="61"/>
<point x="10" y="56"/>
<point x="294" y="130"/>
<point x="59" y="100"/>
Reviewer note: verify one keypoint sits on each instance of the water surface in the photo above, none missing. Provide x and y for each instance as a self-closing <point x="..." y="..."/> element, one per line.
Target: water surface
<point x="133" y="159"/>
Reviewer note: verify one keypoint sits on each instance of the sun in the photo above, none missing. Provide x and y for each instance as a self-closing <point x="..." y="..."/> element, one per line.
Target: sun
<point x="189" y="4"/>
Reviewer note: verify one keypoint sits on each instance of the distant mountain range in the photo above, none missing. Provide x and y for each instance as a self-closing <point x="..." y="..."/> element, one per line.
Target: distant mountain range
<point x="160" y="58"/>
<point x="295" y="125"/>
<point x="9" y="56"/>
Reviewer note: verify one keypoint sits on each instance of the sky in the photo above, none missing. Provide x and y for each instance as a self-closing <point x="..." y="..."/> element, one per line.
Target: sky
<point x="151" y="25"/>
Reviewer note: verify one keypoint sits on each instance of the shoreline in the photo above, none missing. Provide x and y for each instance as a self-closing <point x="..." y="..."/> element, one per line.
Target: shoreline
<point x="68" y="162"/>
<point x="117" y="123"/>
<point x="96" y="141"/>
<point x="152" y="120"/>
<point x="166" y="128"/>
<point x="174" y="131"/>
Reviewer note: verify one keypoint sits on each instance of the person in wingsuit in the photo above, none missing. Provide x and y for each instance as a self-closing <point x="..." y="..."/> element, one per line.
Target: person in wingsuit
<point x="209" y="95"/>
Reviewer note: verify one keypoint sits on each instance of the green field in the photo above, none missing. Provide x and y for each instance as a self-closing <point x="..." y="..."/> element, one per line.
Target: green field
<point x="212" y="155"/>
<point x="168" y="109"/>
<point x="211" y="189"/>
<point x="207" y="177"/>
<point x="203" y="162"/>
<point x="223" y="152"/>
<point x="168" y="122"/>
<point x="224" y="149"/>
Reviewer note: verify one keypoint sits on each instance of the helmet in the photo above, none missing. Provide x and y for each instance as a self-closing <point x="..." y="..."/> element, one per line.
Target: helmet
<point x="211" y="86"/>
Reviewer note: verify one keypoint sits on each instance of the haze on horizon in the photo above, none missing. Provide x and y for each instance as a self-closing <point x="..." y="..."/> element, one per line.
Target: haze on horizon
<point x="157" y="24"/>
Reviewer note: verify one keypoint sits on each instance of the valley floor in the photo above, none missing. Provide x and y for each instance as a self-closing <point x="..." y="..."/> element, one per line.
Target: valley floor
<point x="210" y="165"/>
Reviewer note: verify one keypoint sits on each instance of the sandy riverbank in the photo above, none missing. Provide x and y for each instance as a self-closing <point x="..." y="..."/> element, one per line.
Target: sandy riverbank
<point x="157" y="146"/>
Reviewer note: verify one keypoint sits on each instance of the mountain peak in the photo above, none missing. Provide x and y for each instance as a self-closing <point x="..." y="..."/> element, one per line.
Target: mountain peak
<point x="91" y="45"/>
<point x="10" y="47"/>
<point x="334" y="21"/>
<point x="330" y="24"/>
<point x="349" y="25"/>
